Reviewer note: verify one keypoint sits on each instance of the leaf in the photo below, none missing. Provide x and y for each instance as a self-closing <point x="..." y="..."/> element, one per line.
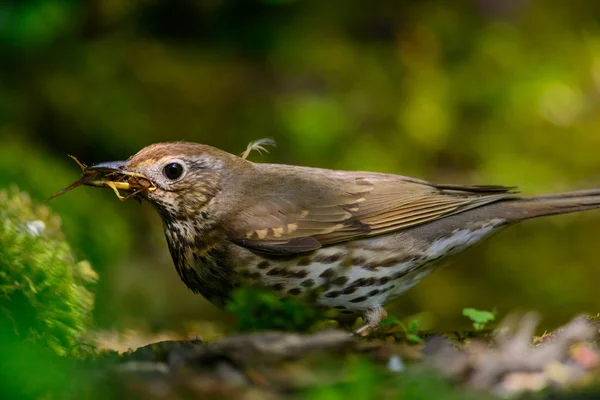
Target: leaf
<point x="413" y="325"/>
<point x="413" y="337"/>
<point x="389" y="321"/>
<point x="480" y="318"/>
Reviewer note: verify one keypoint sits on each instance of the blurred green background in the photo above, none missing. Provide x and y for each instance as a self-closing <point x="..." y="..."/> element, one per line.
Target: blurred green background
<point x="471" y="92"/>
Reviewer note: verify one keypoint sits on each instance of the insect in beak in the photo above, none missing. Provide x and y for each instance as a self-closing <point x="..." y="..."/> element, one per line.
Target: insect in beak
<point x="111" y="175"/>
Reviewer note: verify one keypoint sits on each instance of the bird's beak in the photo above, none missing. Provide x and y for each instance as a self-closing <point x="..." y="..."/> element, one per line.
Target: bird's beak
<point x="111" y="172"/>
<point x="113" y="175"/>
<point x="111" y="166"/>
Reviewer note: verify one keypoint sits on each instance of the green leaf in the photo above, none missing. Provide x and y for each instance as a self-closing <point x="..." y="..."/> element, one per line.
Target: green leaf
<point x="479" y="318"/>
<point x="413" y="325"/>
<point x="389" y="321"/>
<point x="413" y="337"/>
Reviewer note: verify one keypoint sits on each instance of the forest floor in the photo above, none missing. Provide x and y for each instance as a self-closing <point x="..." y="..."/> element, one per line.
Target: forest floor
<point x="508" y="362"/>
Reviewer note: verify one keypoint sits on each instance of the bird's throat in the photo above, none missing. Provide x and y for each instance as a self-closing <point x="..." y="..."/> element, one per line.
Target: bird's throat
<point x="198" y="252"/>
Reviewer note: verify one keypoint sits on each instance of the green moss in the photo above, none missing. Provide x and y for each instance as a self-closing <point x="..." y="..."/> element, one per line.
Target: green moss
<point x="257" y="310"/>
<point x="45" y="293"/>
<point x="93" y="226"/>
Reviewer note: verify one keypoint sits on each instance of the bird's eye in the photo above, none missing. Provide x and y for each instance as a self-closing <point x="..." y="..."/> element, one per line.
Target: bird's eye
<point x="173" y="171"/>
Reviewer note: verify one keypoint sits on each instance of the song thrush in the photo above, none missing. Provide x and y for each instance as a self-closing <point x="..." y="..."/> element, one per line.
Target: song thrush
<point x="354" y="240"/>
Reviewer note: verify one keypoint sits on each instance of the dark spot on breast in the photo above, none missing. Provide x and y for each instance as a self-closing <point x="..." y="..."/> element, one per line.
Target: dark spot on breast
<point x="359" y="299"/>
<point x="325" y="287"/>
<point x="371" y="266"/>
<point x="263" y="265"/>
<point x="333" y="294"/>
<point x="349" y="290"/>
<point x="373" y="292"/>
<point x="295" y="291"/>
<point x="383" y="280"/>
<point x="328" y="273"/>
<point x="254" y="275"/>
<point x="359" y="282"/>
<point x="370" y="281"/>
<point x="358" y="261"/>
<point x="277" y="286"/>
<point x="303" y="262"/>
<point x="397" y="260"/>
<point x="340" y="307"/>
<point x="277" y="271"/>
<point x="328" y="259"/>
<point x="301" y="274"/>
<point x="339" y="281"/>
<point x="308" y="283"/>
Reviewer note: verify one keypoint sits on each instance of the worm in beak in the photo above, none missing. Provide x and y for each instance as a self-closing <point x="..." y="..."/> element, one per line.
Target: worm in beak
<point x="111" y="175"/>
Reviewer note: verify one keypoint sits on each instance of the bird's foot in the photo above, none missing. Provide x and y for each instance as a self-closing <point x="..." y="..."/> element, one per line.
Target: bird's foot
<point x="372" y="318"/>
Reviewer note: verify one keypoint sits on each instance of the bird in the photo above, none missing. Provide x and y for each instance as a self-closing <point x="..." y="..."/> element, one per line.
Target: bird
<point x="350" y="241"/>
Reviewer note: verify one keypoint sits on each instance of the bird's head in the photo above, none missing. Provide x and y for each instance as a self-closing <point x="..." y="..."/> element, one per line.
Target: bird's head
<point x="177" y="178"/>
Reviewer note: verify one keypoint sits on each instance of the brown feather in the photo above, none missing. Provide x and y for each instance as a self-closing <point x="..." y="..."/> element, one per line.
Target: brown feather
<point x="335" y="206"/>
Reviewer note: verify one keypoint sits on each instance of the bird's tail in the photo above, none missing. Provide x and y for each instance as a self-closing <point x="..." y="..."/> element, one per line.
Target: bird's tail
<point x="561" y="203"/>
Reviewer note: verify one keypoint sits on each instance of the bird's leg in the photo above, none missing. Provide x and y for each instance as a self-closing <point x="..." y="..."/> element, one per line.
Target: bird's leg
<point x="372" y="317"/>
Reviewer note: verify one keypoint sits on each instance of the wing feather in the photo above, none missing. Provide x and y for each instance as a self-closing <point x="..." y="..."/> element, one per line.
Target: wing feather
<point x="327" y="207"/>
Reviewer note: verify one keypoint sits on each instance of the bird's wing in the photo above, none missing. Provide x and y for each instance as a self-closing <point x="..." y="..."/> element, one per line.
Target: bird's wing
<point x="308" y="213"/>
